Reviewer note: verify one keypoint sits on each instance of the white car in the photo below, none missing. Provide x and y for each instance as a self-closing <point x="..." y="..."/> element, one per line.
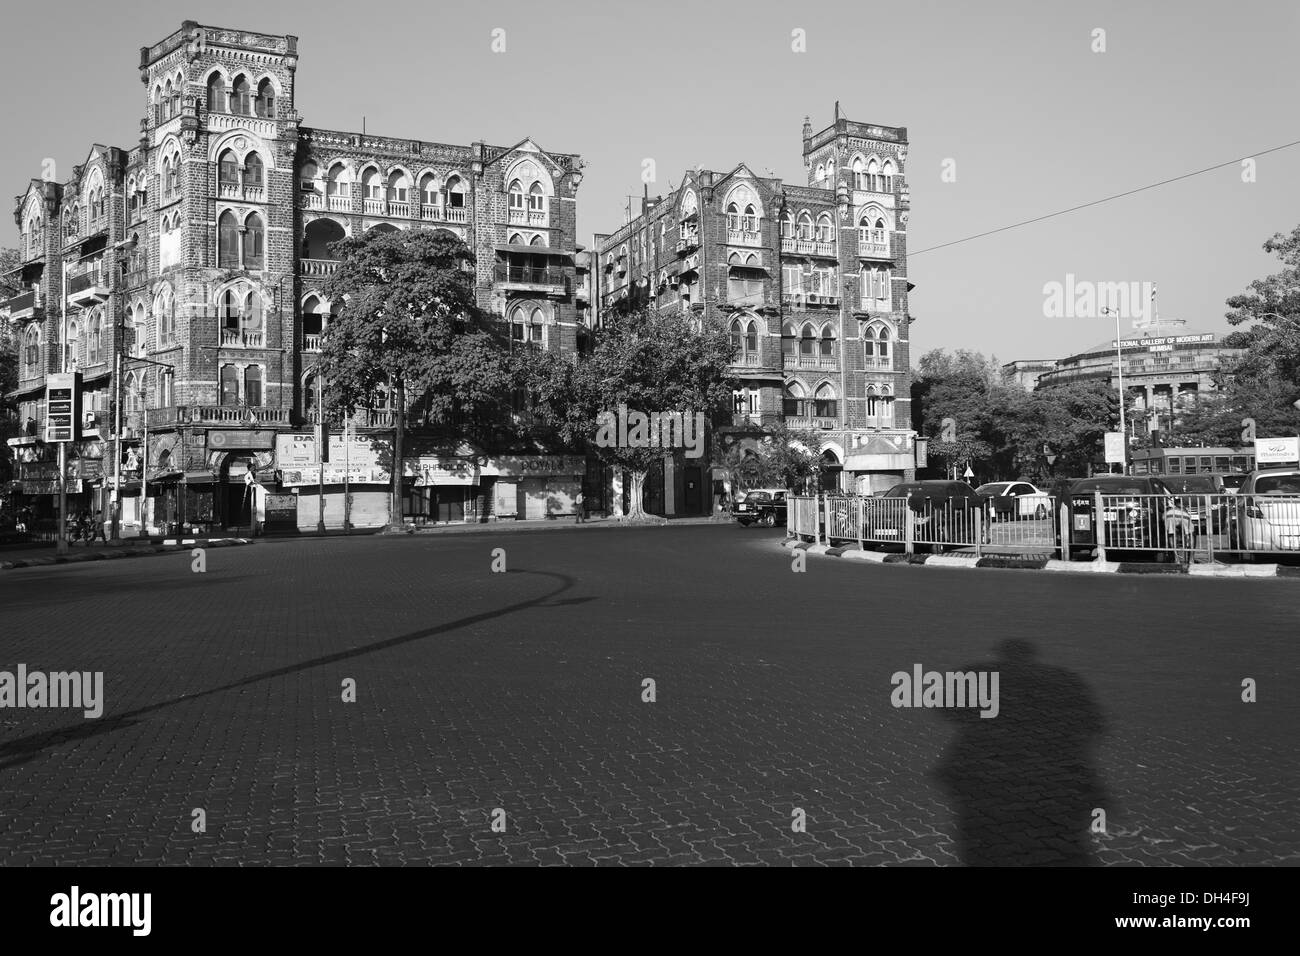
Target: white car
<point x="1015" y="499"/>
<point x="1268" y="511"/>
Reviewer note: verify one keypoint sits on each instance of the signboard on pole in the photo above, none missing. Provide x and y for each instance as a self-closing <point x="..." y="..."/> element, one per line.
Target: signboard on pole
<point x="1276" y="451"/>
<point x="62" y="414"/>
<point x="1114" y="448"/>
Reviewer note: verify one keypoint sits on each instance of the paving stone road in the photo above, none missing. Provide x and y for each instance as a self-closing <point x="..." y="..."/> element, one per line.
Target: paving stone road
<point x="523" y="691"/>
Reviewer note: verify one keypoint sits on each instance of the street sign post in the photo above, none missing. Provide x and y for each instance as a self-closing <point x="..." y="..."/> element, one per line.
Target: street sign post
<point x="62" y="411"/>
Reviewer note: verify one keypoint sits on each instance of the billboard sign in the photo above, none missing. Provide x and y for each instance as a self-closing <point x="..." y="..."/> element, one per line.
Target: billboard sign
<point x="1276" y="451"/>
<point x="62" y="414"/>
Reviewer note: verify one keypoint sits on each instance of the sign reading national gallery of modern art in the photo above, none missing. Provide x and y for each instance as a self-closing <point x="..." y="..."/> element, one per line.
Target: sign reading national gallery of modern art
<point x="359" y="460"/>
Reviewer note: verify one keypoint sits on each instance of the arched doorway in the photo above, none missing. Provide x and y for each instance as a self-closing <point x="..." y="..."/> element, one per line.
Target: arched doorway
<point x="235" y="496"/>
<point x="317" y="238"/>
<point x="832" y="470"/>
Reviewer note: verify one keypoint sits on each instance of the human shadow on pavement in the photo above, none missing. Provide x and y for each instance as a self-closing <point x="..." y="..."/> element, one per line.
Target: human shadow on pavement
<point x="1025" y="783"/>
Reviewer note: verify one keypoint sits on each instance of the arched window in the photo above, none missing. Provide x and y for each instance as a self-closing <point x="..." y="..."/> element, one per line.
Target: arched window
<point x="315" y="318"/>
<point x="821" y="172"/>
<point x="516" y="239"/>
<point x="253" y="385"/>
<point x="71" y="220"/>
<point x="73" y="347"/>
<point x="134" y="387"/>
<point x="227" y="241"/>
<point x="737" y="335"/>
<point x="515" y="197"/>
<point x="828" y="344"/>
<point x="217" y="94"/>
<point x="794" y="400"/>
<point x="824" y="404"/>
<point x="177" y="89"/>
<point x="859" y="174"/>
<point x="307" y="177"/>
<point x="254" y="171"/>
<point x="429" y="189"/>
<point x="266" y="99"/>
<point x="164" y="311"/>
<point x="873" y="176"/>
<point x="733" y="216"/>
<point x="163" y="401"/>
<point x="371" y="185"/>
<point x="229" y="385"/>
<point x="455" y="193"/>
<point x="165" y="101"/>
<point x="241" y="97"/>
<point x="807" y="342"/>
<point x="95" y="340"/>
<point x="32" y="350"/>
<point x="751" y="338"/>
<point x="527" y="329"/>
<point x="337" y="184"/>
<point x="138" y="331"/>
<point x="309" y="405"/>
<point x="254" y="242"/>
<point x="873" y="403"/>
<point x="536" y="198"/>
<point x="399" y="187"/>
<point x="228" y="168"/>
<point x="538" y="240"/>
<point x="750" y="220"/>
<point x="887" y="176"/>
<point x="805" y="225"/>
<point x="787" y="226"/>
<point x="825" y="230"/>
<point x="172" y="177"/>
<point x="788" y="340"/>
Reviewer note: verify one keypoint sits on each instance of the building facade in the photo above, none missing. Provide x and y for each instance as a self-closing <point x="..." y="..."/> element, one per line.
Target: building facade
<point x="811" y="281"/>
<point x="199" y="253"/>
<point x="1166" y="367"/>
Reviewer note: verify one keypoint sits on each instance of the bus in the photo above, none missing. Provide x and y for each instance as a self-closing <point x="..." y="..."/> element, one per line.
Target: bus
<point x="1192" y="461"/>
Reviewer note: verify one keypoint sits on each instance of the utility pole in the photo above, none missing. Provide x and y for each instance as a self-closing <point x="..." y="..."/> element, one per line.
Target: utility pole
<point x="61" y="543"/>
<point x="117" y="445"/>
<point x="320" y="455"/>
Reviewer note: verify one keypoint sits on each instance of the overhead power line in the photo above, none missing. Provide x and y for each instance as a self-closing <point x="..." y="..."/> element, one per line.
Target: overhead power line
<point x="1098" y="202"/>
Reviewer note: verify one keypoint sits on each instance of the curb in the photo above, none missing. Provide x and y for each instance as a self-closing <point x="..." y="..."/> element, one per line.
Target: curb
<point x="165" y="548"/>
<point x="1048" y="564"/>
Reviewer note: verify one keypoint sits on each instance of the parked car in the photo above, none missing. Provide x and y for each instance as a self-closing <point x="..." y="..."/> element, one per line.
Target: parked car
<point x="1014" y="499"/>
<point x="1211" y="514"/>
<point x="1232" y="482"/>
<point x="1140" y="514"/>
<point x="943" y="514"/>
<point x="1268" y="511"/>
<point x="762" y="506"/>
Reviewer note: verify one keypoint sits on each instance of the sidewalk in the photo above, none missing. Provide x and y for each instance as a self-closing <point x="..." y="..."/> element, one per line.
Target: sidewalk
<point x="553" y="524"/>
<point x="30" y="555"/>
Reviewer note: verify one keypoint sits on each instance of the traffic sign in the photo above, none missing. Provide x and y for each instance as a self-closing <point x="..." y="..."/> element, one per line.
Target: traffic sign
<point x="968" y="473"/>
<point x="1115" y="448"/>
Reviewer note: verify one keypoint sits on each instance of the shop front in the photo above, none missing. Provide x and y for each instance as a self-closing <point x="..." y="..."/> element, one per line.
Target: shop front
<point x="878" y="462"/>
<point x="463" y="486"/>
<point x="355" y="477"/>
<point x="241" y="463"/>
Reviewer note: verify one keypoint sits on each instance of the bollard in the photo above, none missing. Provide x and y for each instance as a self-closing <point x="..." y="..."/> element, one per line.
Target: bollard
<point x="979" y="532"/>
<point x="909" y="531"/>
<point x="1063" y="521"/>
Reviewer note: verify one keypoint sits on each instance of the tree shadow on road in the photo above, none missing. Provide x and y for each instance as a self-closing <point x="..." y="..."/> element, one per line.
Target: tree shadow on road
<point x="25" y="749"/>
<point x="1025" y="782"/>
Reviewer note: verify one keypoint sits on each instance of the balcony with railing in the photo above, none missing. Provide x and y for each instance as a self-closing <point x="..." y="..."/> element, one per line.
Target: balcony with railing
<point x="373" y="207"/>
<point x="317" y="267"/>
<point x="311" y="200"/>
<point x="339" y="203"/>
<point x="530" y="278"/>
<point x="399" y="210"/>
<point x="242" y="338"/>
<point x="873" y="243"/>
<point x="879" y="363"/>
<point x="216" y="415"/>
<point x="374" y="418"/>
<point x="810" y="360"/>
<point x="24" y="306"/>
<point x="87" y="286"/>
<point x="311" y="342"/>
<point x="809" y="247"/>
<point x="242" y="192"/>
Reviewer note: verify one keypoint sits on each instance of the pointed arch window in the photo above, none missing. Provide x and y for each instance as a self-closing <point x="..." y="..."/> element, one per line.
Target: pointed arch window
<point x="254" y="242"/>
<point x="172" y="177"/>
<point x="228" y="168"/>
<point x="217" y="94"/>
<point x="429" y="189"/>
<point x="825" y="231"/>
<point x="254" y="171"/>
<point x="824" y="402"/>
<point x="737" y="335"/>
<point x="807" y="342"/>
<point x="794" y="401"/>
<point x="787" y="226"/>
<point x="827" y="344"/>
<point x="227" y="241"/>
<point x="536" y="198"/>
<point x="788" y="340"/>
<point x="95" y="339"/>
<point x="241" y="97"/>
<point x="72" y="349"/>
<point x="805" y="225"/>
<point x="32" y="350"/>
<point x="751" y="338"/>
<point x="265" y="103"/>
<point x="164" y="310"/>
<point x="515" y="197"/>
<point x="455" y="193"/>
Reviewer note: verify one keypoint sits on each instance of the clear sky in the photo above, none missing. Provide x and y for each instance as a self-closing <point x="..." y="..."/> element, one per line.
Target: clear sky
<point x="1012" y="92"/>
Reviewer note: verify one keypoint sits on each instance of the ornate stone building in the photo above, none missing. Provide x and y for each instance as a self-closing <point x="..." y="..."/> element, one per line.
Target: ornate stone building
<point x="811" y="280"/>
<point x="200" y="251"/>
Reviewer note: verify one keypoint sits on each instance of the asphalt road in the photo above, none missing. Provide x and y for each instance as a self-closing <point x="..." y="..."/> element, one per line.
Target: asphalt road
<point x="523" y="692"/>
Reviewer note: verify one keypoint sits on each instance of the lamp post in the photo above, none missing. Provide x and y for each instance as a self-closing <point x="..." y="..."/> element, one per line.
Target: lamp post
<point x="1119" y="362"/>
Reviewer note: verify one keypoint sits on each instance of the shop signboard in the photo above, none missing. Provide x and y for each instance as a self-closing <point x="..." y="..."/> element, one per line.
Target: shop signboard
<point x="360" y="460"/>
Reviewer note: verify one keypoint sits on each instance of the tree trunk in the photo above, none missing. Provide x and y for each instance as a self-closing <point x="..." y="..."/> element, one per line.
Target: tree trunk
<point x="395" y="517"/>
<point x="635" y="510"/>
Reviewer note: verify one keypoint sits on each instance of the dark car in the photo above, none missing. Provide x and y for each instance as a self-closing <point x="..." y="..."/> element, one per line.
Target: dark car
<point x="1140" y="513"/>
<point x="762" y="506"/>
<point x="943" y="514"/>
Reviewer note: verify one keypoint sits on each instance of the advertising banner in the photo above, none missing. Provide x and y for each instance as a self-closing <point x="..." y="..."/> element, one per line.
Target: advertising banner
<point x="1276" y="451"/>
<point x="360" y="460"/>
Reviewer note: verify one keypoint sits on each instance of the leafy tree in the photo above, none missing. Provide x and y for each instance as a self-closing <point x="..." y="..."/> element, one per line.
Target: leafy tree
<point x="1272" y="341"/>
<point x="409" y="322"/>
<point x="644" y="360"/>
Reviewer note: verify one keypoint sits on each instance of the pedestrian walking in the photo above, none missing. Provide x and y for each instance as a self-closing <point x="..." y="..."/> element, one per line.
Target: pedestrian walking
<point x="97" y="528"/>
<point x="578" y="507"/>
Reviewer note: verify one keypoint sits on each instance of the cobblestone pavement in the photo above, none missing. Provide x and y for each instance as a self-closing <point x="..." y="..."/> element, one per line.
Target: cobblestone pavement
<point x="522" y="691"/>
